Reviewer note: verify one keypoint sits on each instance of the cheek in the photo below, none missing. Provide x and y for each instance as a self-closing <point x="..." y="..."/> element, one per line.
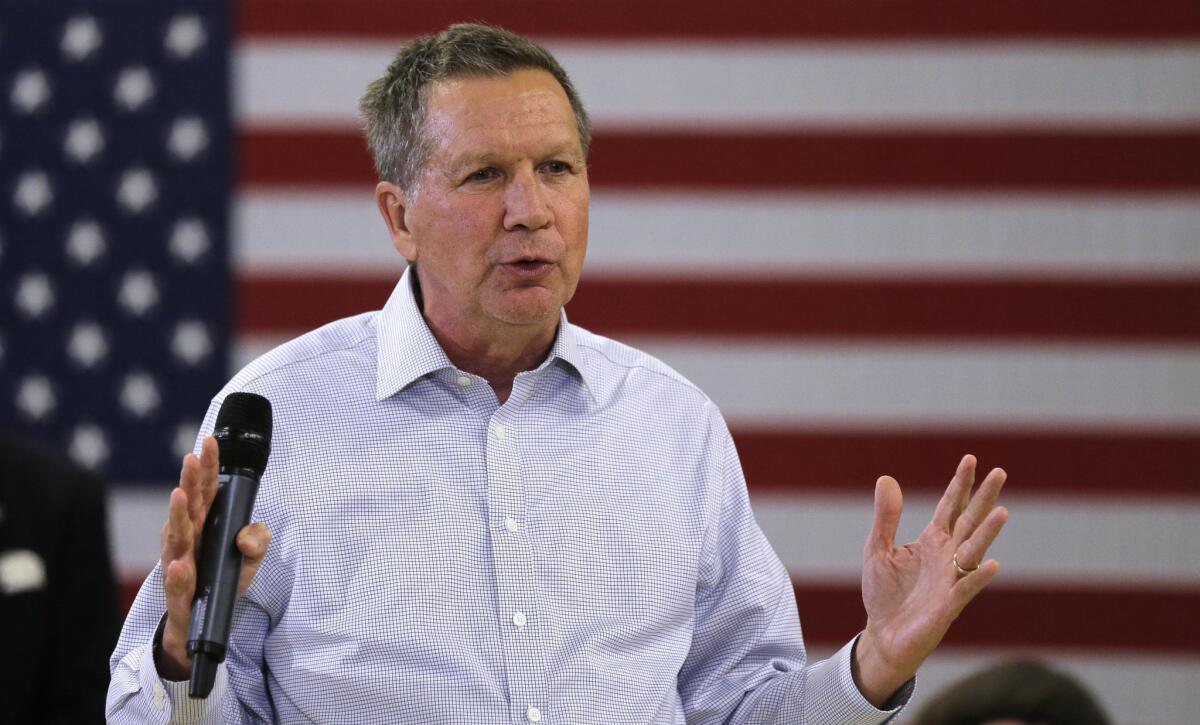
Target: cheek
<point x="459" y="236"/>
<point x="573" y="221"/>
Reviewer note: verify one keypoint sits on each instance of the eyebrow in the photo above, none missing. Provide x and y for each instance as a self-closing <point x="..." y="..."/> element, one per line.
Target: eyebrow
<point x="457" y="166"/>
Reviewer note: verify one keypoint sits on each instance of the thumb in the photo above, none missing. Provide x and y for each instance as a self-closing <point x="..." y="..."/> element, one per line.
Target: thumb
<point x="252" y="541"/>
<point x="889" y="502"/>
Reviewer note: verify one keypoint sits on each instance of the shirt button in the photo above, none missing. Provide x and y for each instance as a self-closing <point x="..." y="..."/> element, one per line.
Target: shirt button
<point x="500" y="431"/>
<point x="534" y="714"/>
<point x="464" y="381"/>
<point x="511" y="524"/>
<point x="519" y="619"/>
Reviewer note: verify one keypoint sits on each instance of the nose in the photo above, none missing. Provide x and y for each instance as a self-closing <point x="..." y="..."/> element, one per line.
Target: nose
<point x="525" y="204"/>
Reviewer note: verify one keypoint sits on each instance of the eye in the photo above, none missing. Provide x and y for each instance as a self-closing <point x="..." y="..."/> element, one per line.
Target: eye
<point x="482" y="175"/>
<point x="557" y="167"/>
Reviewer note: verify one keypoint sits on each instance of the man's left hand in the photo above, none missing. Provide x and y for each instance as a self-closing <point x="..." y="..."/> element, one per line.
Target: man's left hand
<point x="913" y="593"/>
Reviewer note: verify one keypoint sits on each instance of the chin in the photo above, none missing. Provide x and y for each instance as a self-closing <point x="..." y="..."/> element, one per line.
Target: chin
<point x="526" y="306"/>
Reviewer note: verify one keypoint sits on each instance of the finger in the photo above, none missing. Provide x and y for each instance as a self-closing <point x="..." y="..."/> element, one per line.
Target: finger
<point x="209" y="468"/>
<point x="189" y="481"/>
<point x="178" y="535"/>
<point x="252" y="541"/>
<point x="982" y="503"/>
<point x="966" y="588"/>
<point x="974" y="549"/>
<point x="889" y="503"/>
<point x="955" y="497"/>
<point x="179" y="586"/>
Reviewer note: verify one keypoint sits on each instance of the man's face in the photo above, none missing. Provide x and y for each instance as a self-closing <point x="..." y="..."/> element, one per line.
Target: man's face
<point x="498" y="222"/>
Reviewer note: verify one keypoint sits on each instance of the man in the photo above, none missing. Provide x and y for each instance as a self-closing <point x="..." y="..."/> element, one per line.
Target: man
<point x="479" y="513"/>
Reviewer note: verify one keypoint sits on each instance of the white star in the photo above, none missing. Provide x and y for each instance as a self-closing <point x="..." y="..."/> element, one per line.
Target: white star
<point x="30" y="90"/>
<point x="89" y="446"/>
<point x="85" y="139"/>
<point x="81" y="37"/>
<point x="87" y="344"/>
<point x="189" y="240"/>
<point x="185" y="35"/>
<point x="35" y="397"/>
<point x="85" y="242"/>
<point x="191" y="342"/>
<point x="33" y="193"/>
<point x="185" y="438"/>
<point x="138" y="292"/>
<point x="134" y="88"/>
<point x="139" y="394"/>
<point x="35" y="295"/>
<point x="136" y="190"/>
<point x="188" y="138"/>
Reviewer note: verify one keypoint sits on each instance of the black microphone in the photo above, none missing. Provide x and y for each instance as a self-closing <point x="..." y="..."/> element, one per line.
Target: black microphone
<point x="243" y="433"/>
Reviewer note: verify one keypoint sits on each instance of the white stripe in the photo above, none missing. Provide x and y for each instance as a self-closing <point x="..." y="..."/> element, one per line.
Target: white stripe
<point x="666" y="235"/>
<point x="772" y="84"/>
<point x="1048" y="541"/>
<point x="135" y="518"/>
<point x="963" y="385"/>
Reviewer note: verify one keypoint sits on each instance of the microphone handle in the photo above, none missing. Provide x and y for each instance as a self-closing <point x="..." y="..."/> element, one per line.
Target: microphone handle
<point x="218" y="571"/>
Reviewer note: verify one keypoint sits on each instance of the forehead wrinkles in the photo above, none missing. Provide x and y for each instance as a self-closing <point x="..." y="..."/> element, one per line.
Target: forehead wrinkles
<point x="453" y="113"/>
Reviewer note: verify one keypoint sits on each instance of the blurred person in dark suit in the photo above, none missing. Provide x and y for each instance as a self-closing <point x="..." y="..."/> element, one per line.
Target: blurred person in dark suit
<point x="58" y="598"/>
<point x="1020" y="692"/>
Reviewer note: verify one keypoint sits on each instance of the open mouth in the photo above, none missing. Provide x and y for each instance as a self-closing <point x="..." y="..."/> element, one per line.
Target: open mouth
<point x="530" y="267"/>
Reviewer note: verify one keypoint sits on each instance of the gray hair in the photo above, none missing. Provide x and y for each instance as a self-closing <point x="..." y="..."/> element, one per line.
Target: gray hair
<point x="393" y="106"/>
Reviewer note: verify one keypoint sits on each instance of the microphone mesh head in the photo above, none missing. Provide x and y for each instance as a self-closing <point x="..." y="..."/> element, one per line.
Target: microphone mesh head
<point x="243" y="432"/>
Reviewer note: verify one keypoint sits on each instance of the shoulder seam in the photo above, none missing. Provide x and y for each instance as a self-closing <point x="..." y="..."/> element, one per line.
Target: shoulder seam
<point x="308" y="358"/>
<point x="676" y="377"/>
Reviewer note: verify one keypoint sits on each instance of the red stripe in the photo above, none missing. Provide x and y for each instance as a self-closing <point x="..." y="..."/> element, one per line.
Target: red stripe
<point x="982" y="309"/>
<point x="944" y="161"/>
<point x="1110" y="620"/>
<point x="753" y="19"/>
<point x="1113" y="463"/>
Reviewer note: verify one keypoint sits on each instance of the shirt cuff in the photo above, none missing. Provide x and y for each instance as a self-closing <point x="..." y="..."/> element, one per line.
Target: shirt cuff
<point x="895" y="703"/>
<point x="844" y="703"/>
<point x="189" y="711"/>
<point x="182" y="709"/>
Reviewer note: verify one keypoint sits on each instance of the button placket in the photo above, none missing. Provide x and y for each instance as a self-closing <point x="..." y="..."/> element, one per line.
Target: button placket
<point x="513" y="565"/>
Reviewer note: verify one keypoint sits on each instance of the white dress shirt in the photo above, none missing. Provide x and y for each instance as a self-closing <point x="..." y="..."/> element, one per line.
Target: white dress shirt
<point x="583" y="553"/>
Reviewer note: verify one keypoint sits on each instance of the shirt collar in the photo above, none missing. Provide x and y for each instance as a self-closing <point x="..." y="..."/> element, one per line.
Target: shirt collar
<point x="408" y="350"/>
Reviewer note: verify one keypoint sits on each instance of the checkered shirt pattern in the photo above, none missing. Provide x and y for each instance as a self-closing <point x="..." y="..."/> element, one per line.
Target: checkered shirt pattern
<point x="583" y="553"/>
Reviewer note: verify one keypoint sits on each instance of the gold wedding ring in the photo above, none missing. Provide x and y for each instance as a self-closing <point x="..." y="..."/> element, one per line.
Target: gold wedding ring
<point x="959" y="567"/>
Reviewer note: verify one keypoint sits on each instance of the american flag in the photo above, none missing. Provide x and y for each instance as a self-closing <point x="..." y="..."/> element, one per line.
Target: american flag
<point x="879" y="234"/>
<point x="115" y="161"/>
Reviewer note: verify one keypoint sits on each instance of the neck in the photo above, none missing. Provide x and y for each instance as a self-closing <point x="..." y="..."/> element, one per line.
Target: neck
<point x="496" y="352"/>
<point x="496" y="359"/>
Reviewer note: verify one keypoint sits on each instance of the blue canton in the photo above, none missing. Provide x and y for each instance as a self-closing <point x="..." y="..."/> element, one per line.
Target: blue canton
<point x="114" y="184"/>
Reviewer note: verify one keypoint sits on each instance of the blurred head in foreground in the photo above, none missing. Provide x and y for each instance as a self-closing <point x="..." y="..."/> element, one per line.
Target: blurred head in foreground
<point x="1021" y="692"/>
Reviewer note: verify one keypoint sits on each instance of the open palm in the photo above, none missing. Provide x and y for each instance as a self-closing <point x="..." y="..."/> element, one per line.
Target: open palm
<point x="913" y="593"/>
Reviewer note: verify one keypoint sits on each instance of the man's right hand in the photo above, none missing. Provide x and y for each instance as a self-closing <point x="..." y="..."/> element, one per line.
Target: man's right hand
<point x="180" y="546"/>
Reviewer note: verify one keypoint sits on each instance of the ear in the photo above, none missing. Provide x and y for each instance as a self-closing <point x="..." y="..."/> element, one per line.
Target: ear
<point x="393" y="206"/>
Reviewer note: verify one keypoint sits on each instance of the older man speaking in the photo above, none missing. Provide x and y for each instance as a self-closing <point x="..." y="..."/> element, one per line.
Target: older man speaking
<point x="481" y="513"/>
